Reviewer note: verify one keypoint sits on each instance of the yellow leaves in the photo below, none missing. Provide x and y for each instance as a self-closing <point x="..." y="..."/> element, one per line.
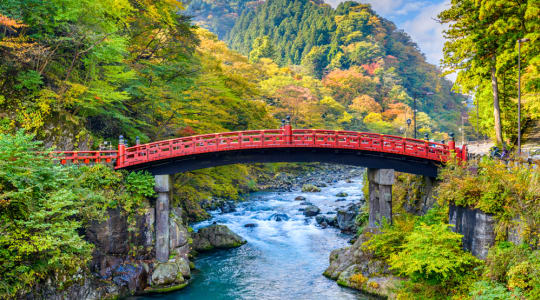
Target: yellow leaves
<point x="73" y="95"/>
<point x="357" y="280"/>
<point x="345" y="118"/>
<point x="373" y="117"/>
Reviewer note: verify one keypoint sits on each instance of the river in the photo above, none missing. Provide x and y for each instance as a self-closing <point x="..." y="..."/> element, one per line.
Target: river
<point x="282" y="259"/>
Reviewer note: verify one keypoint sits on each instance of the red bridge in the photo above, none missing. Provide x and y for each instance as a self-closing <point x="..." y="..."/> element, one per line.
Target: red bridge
<point x="275" y="145"/>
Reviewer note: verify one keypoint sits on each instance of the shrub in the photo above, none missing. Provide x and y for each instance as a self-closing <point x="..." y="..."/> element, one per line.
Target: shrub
<point x="501" y="257"/>
<point x="432" y="253"/>
<point x="490" y="290"/>
<point x="505" y="191"/>
<point x="38" y="231"/>
<point x="357" y="280"/>
<point x="43" y="205"/>
<point x="391" y="237"/>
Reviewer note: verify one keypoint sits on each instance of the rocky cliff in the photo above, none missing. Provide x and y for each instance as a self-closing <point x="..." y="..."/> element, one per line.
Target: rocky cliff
<point x="123" y="259"/>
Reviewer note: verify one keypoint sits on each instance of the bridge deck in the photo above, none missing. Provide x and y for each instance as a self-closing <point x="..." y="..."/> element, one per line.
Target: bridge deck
<point x="264" y="139"/>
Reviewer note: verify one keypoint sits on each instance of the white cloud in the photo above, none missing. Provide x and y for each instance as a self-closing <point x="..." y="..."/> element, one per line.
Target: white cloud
<point x="427" y="32"/>
<point x="388" y="7"/>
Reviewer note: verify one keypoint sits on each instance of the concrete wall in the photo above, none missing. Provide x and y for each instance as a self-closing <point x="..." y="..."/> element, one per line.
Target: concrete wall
<point x="477" y="228"/>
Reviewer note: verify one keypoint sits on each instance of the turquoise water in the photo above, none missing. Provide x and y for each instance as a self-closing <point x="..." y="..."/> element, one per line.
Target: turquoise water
<point x="282" y="260"/>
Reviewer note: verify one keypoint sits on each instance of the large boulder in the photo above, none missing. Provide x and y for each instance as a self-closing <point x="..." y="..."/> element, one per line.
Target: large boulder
<point x="346" y="218"/>
<point x="357" y="268"/>
<point x="166" y="274"/>
<point x="132" y="276"/>
<point x="311" y="211"/>
<point x="310" y="188"/>
<point x="216" y="236"/>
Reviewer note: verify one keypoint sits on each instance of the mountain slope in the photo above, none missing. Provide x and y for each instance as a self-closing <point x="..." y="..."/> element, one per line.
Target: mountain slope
<point x="353" y="50"/>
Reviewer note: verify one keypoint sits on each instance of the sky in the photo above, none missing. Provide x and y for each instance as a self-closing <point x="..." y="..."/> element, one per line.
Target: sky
<point x="417" y="18"/>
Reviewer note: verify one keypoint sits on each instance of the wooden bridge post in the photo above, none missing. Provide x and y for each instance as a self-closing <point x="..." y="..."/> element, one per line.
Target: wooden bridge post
<point x="380" y="195"/>
<point x="121" y="152"/>
<point x="164" y="188"/>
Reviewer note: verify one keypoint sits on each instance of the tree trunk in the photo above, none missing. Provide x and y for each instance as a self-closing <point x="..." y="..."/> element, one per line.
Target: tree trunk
<point x="496" y="106"/>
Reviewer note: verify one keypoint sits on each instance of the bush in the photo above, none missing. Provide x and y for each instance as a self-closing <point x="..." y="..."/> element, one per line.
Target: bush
<point x="516" y="266"/>
<point x="495" y="188"/>
<point x="433" y="254"/>
<point x="42" y="207"/>
<point x="489" y="290"/>
<point x="391" y="237"/>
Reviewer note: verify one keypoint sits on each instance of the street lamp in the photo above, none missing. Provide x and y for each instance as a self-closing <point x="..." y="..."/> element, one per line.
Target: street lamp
<point x="462" y="124"/>
<point x="519" y="93"/>
<point x="414" y="110"/>
<point x="408" y="126"/>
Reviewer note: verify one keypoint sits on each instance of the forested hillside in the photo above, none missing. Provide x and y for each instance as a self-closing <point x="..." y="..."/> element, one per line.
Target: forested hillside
<point x="364" y="63"/>
<point x="219" y="16"/>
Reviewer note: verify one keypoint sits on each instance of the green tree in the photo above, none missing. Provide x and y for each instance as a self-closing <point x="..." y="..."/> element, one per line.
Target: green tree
<point x="481" y="46"/>
<point x="262" y="47"/>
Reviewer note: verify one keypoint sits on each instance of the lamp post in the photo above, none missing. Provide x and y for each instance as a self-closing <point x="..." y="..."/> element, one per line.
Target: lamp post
<point x="408" y="127"/>
<point x="519" y="93"/>
<point x="462" y="123"/>
<point x="414" y="110"/>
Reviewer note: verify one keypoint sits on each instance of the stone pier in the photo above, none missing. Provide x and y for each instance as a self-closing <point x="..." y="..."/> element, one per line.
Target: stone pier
<point x="163" y="188"/>
<point x="380" y="195"/>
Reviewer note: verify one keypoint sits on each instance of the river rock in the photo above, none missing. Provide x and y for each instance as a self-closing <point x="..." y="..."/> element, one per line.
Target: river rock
<point x="227" y="207"/>
<point x="250" y="225"/>
<point x="311" y="211"/>
<point x="166" y="274"/>
<point x="346" y="218"/>
<point x="310" y="188"/>
<point x="306" y="203"/>
<point x="279" y="217"/>
<point x="332" y="221"/>
<point x="355" y="259"/>
<point x="319" y="219"/>
<point x="132" y="276"/>
<point x="183" y="267"/>
<point x="341" y="200"/>
<point x="342" y="194"/>
<point x="321" y="184"/>
<point x="216" y="236"/>
<point x="300" y="198"/>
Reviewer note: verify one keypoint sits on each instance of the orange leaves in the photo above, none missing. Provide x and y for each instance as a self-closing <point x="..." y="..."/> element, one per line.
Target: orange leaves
<point x="370" y="68"/>
<point x="365" y="104"/>
<point x="348" y="84"/>
<point x="10" y="24"/>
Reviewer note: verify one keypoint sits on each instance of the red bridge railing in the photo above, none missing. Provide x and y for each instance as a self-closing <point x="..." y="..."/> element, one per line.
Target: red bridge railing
<point x="273" y="138"/>
<point x="85" y="157"/>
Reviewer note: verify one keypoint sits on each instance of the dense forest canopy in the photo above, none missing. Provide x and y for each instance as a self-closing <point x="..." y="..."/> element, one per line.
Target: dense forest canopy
<point x="365" y="64"/>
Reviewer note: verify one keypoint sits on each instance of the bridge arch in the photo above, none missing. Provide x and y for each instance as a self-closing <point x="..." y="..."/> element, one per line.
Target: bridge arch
<point x="353" y="157"/>
<point x="287" y="145"/>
